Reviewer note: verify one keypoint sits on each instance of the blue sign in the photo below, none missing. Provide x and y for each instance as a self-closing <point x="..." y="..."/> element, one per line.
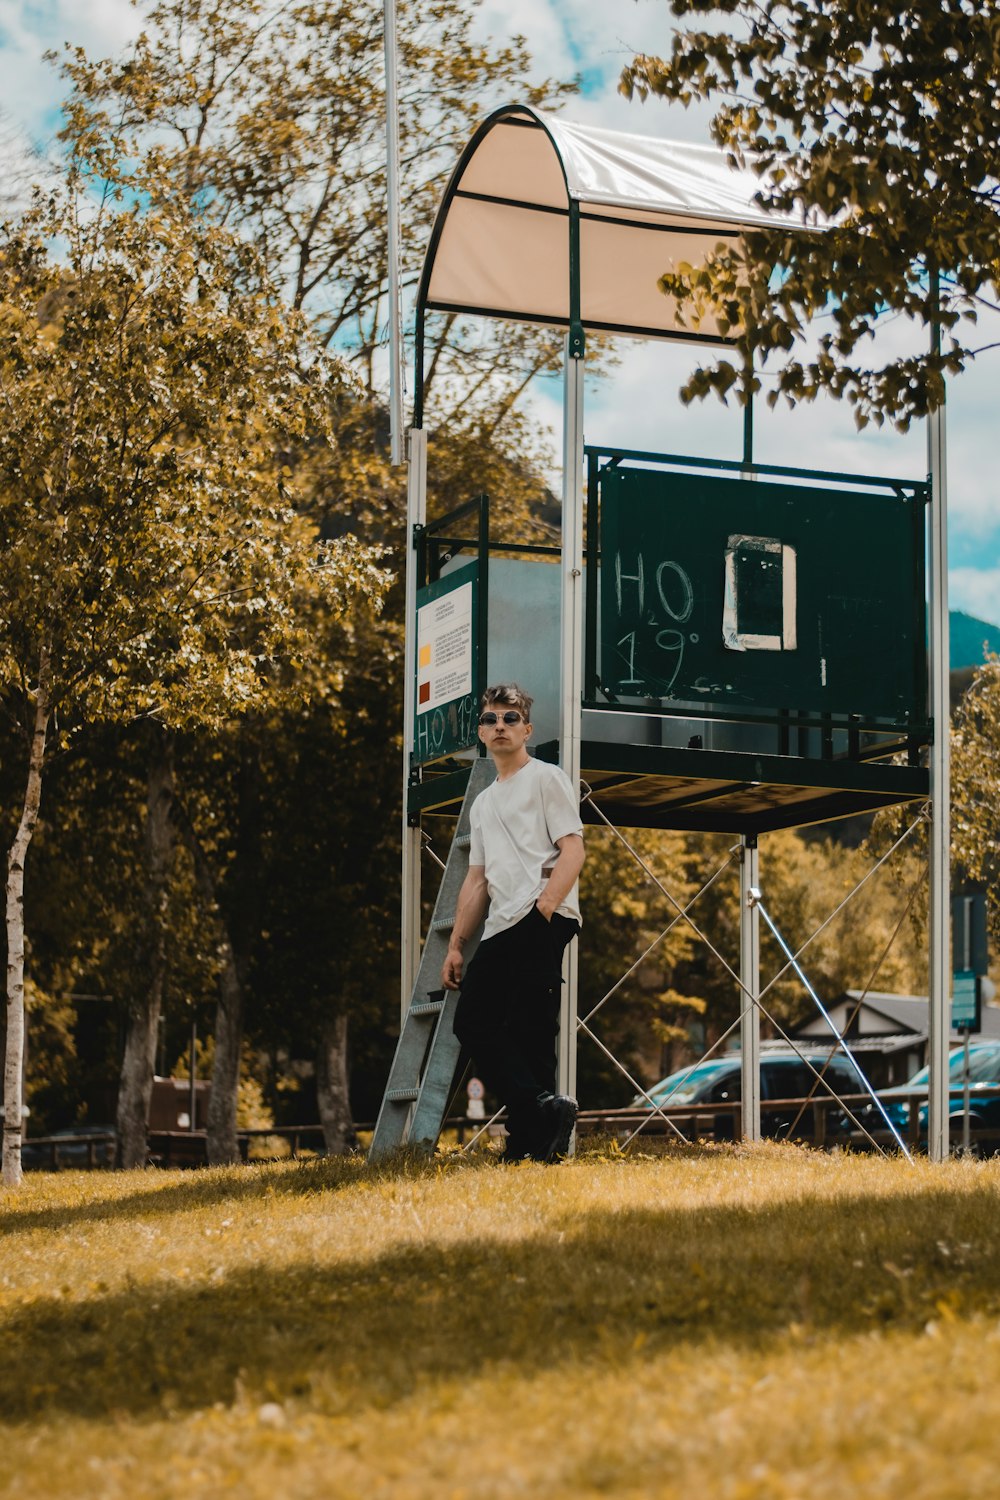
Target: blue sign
<point x="965" y="1001"/>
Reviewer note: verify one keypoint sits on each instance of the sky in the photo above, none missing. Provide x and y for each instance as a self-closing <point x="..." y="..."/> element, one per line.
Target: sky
<point x="636" y="405"/>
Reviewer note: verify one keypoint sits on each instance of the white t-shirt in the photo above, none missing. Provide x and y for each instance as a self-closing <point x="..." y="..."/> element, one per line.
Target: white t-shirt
<point x="514" y="825"/>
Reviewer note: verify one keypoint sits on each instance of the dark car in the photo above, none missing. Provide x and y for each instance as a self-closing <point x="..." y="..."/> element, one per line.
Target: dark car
<point x="984" y="1109"/>
<point x="783" y="1075"/>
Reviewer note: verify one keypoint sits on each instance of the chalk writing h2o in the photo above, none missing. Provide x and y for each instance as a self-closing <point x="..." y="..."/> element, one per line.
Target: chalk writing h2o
<point x="443" y="730"/>
<point x="676" y="597"/>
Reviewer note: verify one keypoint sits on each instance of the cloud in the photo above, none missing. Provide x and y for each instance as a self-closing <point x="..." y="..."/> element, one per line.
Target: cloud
<point x="595" y="40"/>
<point x="976" y="591"/>
<point x="637" y="405"/>
<point x="31" y="88"/>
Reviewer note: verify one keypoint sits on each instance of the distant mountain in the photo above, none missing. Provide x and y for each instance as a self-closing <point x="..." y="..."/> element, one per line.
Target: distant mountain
<point x="969" y="636"/>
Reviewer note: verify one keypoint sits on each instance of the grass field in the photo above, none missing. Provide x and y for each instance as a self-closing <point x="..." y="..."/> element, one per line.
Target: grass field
<point x="718" y="1324"/>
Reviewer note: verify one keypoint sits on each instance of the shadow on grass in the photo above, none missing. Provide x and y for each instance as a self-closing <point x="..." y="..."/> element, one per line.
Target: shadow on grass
<point x="598" y="1287"/>
<point x="157" y="1193"/>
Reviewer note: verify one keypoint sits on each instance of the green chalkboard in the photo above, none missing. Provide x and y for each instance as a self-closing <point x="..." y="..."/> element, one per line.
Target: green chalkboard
<point x="761" y="596"/>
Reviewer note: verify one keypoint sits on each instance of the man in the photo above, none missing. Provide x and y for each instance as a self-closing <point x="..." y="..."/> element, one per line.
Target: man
<point x="525" y="854"/>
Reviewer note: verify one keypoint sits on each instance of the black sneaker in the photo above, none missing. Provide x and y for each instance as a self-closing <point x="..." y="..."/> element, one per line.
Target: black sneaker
<point x="558" y="1119"/>
<point x="517" y="1148"/>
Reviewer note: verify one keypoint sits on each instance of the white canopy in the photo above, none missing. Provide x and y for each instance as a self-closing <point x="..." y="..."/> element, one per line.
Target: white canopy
<point x="502" y="245"/>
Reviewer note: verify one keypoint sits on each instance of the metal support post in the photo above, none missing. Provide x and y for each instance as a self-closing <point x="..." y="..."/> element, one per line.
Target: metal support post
<point x="416" y="515"/>
<point x="193" y="1117"/>
<point x="838" y="1035"/>
<point x="939" y="977"/>
<point x="750" y="981"/>
<point x="393" y="207"/>
<point x="748" y="436"/>
<point x="571" y="658"/>
<point x="966" y="1123"/>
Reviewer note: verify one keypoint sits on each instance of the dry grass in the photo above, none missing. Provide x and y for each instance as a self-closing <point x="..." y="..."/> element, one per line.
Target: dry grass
<point x="719" y="1324"/>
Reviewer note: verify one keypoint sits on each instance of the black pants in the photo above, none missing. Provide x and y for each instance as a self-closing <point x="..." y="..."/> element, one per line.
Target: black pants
<point x="508" y="1017"/>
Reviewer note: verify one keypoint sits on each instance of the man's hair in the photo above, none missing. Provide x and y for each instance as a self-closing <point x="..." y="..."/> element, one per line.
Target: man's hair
<point x="509" y="692"/>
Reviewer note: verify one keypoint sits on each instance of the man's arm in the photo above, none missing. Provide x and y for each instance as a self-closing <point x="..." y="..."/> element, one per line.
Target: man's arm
<point x="564" y="874"/>
<point x="473" y="900"/>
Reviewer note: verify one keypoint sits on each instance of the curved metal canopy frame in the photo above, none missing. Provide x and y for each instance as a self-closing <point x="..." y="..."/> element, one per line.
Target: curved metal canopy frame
<point x="551" y="222"/>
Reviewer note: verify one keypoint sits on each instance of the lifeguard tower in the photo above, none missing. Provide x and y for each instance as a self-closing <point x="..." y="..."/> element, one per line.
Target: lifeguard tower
<point x="716" y="645"/>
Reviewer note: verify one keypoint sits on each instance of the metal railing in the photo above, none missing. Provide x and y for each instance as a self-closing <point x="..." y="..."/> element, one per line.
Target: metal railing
<point x="719" y="1121"/>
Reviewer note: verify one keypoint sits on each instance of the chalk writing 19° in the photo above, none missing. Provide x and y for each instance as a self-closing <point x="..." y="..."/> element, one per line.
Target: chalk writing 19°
<point x="675" y="596"/>
<point x="445" y="729"/>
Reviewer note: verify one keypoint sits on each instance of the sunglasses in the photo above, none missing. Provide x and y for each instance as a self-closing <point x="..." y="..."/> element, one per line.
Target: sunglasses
<point x="510" y="717"/>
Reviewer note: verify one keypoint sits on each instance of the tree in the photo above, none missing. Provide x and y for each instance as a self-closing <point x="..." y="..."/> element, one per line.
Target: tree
<point x="880" y="123"/>
<point x="272" y="117"/>
<point x="88" y="946"/>
<point x="155" y="566"/>
<point x="269" y="118"/>
<point x="975" y="749"/>
<point x="330" y="890"/>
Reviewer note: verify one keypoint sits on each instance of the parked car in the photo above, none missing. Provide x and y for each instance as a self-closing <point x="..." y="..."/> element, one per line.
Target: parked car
<point x="783" y="1075"/>
<point x="984" y="1112"/>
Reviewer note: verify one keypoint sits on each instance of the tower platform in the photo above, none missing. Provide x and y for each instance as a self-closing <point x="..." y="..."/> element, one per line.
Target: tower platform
<point x="709" y="791"/>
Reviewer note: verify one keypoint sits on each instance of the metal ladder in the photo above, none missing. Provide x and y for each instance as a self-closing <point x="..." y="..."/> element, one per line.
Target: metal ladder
<point x="423" y="1069"/>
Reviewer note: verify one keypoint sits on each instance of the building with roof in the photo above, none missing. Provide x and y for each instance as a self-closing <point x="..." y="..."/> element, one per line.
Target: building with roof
<point x="887" y="1033"/>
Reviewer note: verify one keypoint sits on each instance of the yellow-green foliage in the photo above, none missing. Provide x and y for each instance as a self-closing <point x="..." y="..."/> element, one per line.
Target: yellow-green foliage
<point x="727" y="1324"/>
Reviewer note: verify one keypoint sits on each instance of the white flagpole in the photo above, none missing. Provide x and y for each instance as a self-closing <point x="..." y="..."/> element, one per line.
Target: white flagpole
<point x="392" y="193"/>
<point x="416" y="513"/>
<point x="939" y="986"/>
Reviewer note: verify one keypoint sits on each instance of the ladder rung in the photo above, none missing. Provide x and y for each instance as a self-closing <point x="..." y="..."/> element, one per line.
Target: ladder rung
<point x="415" y="1114"/>
<point x="426" y="1008"/>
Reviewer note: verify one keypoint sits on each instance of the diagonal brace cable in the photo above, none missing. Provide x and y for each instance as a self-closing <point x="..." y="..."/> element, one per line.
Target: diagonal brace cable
<point x="582" y="1026"/>
<point x="792" y="957"/>
<point x="657" y="941"/>
<point x="921" y="818"/>
<point x="831" y="1091"/>
<point x="683" y="912"/>
<point x="863" y="995"/>
<point x="481" y="1131"/>
<point x="755" y="895"/>
<point x="659" y="1108"/>
<point x="754" y="999"/>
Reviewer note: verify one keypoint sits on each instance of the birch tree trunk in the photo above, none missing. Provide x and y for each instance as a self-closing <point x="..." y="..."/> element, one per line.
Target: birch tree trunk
<point x="139" y="1062"/>
<point x="332" y="1089"/>
<point x="17" y="854"/>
